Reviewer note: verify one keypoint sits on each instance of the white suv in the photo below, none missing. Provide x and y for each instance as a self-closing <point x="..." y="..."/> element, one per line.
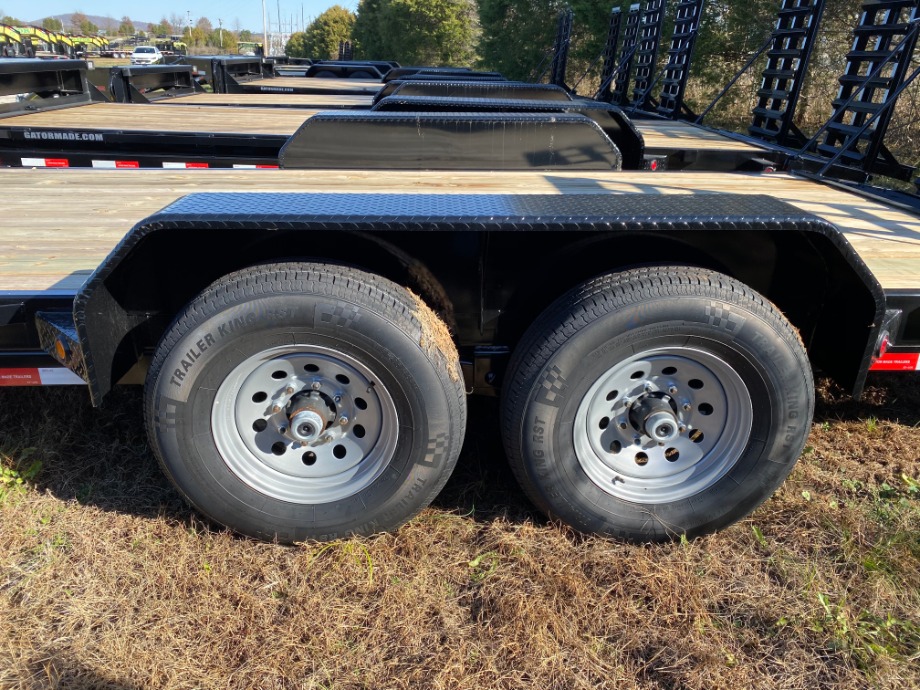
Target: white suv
<point x="146" y="55"/>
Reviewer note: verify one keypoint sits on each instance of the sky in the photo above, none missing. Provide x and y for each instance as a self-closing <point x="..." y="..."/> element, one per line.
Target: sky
<point x="247" y="14"/>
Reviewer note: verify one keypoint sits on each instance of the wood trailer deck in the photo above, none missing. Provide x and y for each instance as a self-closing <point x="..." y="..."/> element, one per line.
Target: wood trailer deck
<point x="272" y="100"/>
<point x="196" y="118"/>
<point x="180" y="118"/>
<point x="668" y="134"/>
<point x="308" y="85"/>
<point x="42" y="251"/>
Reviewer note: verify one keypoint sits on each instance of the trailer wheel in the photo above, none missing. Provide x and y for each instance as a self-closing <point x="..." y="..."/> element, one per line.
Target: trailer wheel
<point x="656" y="403"/>
<point x="306" y="401"/>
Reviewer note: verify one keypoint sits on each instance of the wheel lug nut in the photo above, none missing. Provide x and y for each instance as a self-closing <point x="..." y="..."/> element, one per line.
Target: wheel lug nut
<point x="338" y="398"/>
<point x="672" y="390"/>
<point x="648" y="387"/>
<point x="316" y="385"/>
<point x="289" y="390"/>
<point x="343" y="421"/>
<point x="637" y="440"/>
<point x="686" y="406"/>
<point x="276" y="408"/>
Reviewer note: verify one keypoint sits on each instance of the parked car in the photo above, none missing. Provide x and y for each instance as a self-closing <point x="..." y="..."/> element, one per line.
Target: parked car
<point x="146" y="55"/>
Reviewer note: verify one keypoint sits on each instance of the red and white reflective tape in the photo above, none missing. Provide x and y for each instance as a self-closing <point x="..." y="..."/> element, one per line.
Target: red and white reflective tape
<point x="45" y="163"/>
<point x="895" y="361"/>
<point x="43" y="376"/>
<point x="184" y="166"/>
<point x="116" y="164"/>
<point x="240" y="166"/>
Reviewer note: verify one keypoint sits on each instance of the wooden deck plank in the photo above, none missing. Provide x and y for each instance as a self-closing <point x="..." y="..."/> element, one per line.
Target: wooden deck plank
<point x="143" y="117"/>
<point x="665" y="134"/>
<point x="98" y="207"/>
<point x="353" y="86"/>
<point x="186" y="117"/>
<point x="296" y="100"/>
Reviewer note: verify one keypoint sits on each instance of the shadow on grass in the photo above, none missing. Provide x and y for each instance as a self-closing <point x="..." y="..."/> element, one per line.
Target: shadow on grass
<point x="100" y="456"/>
<point x="57" y="671"/>
<point x="890" y="397"/>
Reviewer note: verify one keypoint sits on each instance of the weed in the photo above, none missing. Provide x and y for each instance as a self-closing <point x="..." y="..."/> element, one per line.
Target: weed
<point x="13" y="480"/>
<point x="484" y="565"/>
<point x="347" y="550"/>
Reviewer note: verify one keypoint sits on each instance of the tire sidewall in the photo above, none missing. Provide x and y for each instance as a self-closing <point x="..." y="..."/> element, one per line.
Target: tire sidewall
<point x="182" y="414"/>
<point x="770" y="370"/>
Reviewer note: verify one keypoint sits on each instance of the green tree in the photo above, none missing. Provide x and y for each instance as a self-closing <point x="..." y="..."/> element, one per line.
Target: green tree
<point x="11" y="21"/>
<point x="227" y="44"/>
<point x="296" y="45"/>
<point x="423" y="32"/>
<point x="517" y="35"/>
<point x="245" y="35"/>
<point x="321" y="39"/>
<point x="197" y="37"/>
<point x="126" y="28"/>
<point x="52" y="24"/>
<point x="370" y="43"/>
<point x="80" y="24"/>
<point x="163" y="28"/>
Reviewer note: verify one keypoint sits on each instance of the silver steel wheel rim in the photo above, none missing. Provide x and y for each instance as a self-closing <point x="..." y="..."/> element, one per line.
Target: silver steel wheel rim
<point x="628" y="456"/>
<point x="253" y="410"/>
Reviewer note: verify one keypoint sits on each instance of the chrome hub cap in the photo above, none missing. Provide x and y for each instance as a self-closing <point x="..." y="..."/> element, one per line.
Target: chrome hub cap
<point x="304" y="424"/>
<point x="663" y="425"/>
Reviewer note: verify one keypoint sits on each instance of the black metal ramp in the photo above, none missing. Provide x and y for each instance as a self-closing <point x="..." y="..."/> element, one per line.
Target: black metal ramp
<point x="647" y="53"/>
<point x="787" y="61"/>
<point x="884" y="44"/>
<point x="676" y="71"/>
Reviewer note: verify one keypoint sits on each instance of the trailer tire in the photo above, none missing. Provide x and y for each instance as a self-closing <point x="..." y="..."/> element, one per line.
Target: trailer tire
<point x="306" y="401"/>
<point x="656" y="403"/>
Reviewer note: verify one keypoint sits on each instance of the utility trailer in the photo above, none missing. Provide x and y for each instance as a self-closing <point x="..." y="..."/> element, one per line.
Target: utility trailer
<point x="64" y="127"/>
<point x="248" y="75"/>
<point x="674" y="145"/>
<point x="306" y="356"/>
<point x="176" y="84"/>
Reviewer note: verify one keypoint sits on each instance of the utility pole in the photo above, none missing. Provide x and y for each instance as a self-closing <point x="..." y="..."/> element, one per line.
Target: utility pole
<point x="189" y="13"/>
<point x="220" y="23"/>
<point x="264" y="30"/>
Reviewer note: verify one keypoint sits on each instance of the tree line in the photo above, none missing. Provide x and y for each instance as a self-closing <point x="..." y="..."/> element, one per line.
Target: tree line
<point x="515" y="37"/>
<point x="202" y="34"/>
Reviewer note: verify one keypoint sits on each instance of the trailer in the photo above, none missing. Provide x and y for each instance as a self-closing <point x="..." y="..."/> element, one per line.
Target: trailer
<point x="307" y="355"/>
<point x="667" y="144"/>
<point x="10" y="42"/>
<point x="66" y="126"/>
<point x="176" y="84"/>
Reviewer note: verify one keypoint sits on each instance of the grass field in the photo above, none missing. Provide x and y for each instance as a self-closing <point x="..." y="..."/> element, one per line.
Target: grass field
<point x="107" y="580"/>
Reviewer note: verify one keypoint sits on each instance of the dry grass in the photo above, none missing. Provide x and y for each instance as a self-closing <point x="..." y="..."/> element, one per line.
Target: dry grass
<point x="108" y="581"/>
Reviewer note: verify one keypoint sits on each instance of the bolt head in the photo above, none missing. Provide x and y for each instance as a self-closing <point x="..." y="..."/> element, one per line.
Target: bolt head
<point x="343" y="421"/>
<point x="672" y="390"/>
<point x="648" y="387"/>
<point x="289" y="390"/>
<point x="338" y="398"/>
<point x="687" y="407"/>
<point x="276" y="408"/>
<point x="316" y="385"/>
